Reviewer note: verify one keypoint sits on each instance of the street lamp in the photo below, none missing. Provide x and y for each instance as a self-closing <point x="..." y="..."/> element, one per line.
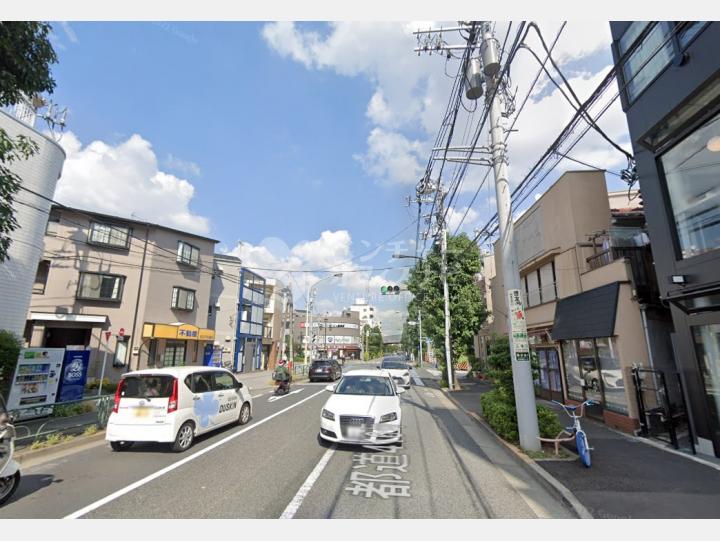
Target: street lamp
<point x="308" y="314"/>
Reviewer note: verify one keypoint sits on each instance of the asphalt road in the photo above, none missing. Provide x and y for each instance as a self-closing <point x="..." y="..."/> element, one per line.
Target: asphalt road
<point x="447" y="467"/>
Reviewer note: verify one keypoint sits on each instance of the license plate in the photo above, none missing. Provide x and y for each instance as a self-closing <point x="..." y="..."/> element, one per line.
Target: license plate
<point x="356" y="432"/>
<point x="142" y="412"/>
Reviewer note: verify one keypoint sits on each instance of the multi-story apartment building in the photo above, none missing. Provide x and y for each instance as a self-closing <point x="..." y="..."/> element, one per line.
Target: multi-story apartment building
<point x="338" y="336"/>
<point x="39" y="175"/>
<point x="223" y="313"/>
<point x="366" y="312"/>
<point x="670" y="90"/>
<point x="277" y="314"/>
<point x="134" y="293"/>
<point x="590" y="294"/>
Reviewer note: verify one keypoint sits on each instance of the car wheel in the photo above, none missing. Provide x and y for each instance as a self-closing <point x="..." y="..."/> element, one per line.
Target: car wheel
<point x="244" y="416"/>
<point x="184" y="439"/>
<point x="120" y="445"/>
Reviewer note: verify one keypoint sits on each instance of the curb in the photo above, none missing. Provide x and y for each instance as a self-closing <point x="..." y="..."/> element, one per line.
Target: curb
<point x="31" y="454"/>
<point x="540" y="475"/>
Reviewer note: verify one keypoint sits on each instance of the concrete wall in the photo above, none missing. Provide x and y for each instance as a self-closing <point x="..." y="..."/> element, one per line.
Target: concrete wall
<point x="39" y="173"/>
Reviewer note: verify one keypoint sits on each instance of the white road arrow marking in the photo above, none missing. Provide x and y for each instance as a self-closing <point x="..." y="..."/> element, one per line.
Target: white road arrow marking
<point x="274" y="398"/>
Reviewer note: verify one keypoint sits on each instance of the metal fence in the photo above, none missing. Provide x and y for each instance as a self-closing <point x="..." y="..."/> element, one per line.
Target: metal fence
<point x="68" y="418"/>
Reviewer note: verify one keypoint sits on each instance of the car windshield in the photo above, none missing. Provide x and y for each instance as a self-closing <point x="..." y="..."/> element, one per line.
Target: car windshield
<point x="147" y="386"/>
<point x="365" y="385"/>
<point x="393" y="365"/>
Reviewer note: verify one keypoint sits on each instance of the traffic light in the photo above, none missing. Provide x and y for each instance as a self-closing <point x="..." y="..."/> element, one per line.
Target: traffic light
<point x="390" y="290"/>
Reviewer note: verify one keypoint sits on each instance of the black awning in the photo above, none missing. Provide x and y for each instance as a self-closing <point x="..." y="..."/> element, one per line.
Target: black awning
<point x="590" y="314"/>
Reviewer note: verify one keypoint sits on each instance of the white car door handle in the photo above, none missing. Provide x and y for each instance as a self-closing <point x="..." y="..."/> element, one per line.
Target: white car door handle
<point x="221" y="394"/>
<point x="196" y="398"/>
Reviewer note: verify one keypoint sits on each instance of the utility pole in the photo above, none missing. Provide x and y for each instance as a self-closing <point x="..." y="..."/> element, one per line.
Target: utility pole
<point x="517" y="329"/>
<point x="420" y="361"/>
<point x="486" y="69"/>
<point x="446" y="295"/>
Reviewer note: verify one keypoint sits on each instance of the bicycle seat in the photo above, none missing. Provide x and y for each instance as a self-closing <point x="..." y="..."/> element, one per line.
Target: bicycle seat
<point x="571" y="408"/>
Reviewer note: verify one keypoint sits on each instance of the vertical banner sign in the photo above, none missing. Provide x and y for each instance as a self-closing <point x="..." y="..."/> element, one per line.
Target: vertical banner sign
<point x="74" y="375"/>
<point x="518" y="326"/>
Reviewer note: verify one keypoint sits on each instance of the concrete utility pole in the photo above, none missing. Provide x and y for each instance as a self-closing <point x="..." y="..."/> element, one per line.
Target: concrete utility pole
<point x="420" y="363"/>
<point x="446" y="295"/>
<point x="517" y="329"/>
<point x="308" y="311"/>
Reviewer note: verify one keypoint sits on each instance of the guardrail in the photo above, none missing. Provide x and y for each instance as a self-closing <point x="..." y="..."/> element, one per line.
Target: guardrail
<point x="72" y="417"/>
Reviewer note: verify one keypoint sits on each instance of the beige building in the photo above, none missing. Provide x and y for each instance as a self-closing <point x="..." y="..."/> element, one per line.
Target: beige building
<point x="590" y="294"/>
<point x="134" y="293"/>
<point x="277" y="317"/>
<point x="223" y="314"/>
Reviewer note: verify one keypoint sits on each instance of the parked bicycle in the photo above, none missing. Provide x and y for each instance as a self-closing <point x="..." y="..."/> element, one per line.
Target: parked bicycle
<point x="581" y="441"/>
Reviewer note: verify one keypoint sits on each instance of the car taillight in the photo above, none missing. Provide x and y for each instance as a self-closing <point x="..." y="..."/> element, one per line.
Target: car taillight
<point x="173" y="402"/>
<point x="118" y="394"/>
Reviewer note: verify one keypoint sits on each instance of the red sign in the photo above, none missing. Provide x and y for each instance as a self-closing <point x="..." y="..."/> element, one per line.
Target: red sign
<point x="121" y="332"/>
<point x="108" y="334"/>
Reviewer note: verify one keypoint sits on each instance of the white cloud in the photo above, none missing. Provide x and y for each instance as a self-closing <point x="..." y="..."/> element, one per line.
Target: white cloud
<point x="124" y="179"/>
<point x="391" y="156"/>
<point x="183" y="167"/>
<point x="455" y="218"/>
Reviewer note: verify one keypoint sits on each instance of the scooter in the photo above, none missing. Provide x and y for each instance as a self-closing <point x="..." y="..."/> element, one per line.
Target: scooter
<point x="9" y="469"/>
<point x="282" y="386"/>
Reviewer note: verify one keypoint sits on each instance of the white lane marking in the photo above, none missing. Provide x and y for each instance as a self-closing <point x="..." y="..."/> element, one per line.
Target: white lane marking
<point x="433" y="371"/>
<point x="137" y="484"/>
<point x="257" y="395"/>
<point x="416" y="379"/>
<point x="274" y="398"/>
<point x="296" y="502"/>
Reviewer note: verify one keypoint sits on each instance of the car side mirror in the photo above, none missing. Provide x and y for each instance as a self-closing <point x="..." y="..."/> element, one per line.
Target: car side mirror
<point x="400" y="390"/>
<point x="238" y="385"/>
<point x="330" y="388"/>
<point x="377" y="366"/>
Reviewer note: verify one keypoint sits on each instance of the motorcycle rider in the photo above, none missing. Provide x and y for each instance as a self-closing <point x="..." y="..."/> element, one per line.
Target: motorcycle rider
<point x="282" y="376"/>
<point x="9" y="469"/>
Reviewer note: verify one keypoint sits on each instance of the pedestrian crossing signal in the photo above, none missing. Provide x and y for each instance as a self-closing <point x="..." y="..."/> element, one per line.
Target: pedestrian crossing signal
<point x="390" y="290"/>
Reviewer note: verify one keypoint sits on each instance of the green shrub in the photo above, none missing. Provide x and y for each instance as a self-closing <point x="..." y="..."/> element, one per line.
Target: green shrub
<point x="10" y="346"/>
<point x="548" y="422"/>
<point x="70" y="410"/>
<point x="500" y="414"/>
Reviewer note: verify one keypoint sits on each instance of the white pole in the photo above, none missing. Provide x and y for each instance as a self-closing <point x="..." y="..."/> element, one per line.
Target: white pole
<point x="307" y="326"/>
<point x="522" y="374"/>
<point x="420" y="335"/>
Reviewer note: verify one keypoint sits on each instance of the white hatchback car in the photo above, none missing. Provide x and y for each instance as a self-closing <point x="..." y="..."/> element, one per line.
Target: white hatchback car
<point x="174" y="405"/>
<point x="398" y="368"/>
<point x="363" y="409"/>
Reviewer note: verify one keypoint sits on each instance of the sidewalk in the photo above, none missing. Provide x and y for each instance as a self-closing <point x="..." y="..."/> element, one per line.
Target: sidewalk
<point x="628" y="478"/>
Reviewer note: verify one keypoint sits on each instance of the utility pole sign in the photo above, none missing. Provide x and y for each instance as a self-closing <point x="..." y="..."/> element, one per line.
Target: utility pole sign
<point x="519" y="326"/>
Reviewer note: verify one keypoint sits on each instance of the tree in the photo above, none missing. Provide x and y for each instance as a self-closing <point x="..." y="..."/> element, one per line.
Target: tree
<point x="9" y="352"/>
<point x="374" y="342"/>
<point x="25" y="58"/>
<point x="467" y="307"/>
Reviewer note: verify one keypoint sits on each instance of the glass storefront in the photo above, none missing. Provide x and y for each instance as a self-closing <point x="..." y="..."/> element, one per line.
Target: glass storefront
<point x="707" y="347"/>
<point x="593" y="372"/>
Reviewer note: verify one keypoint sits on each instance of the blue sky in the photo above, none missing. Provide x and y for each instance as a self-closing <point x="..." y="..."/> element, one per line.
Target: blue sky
<point x="294" y="145"/>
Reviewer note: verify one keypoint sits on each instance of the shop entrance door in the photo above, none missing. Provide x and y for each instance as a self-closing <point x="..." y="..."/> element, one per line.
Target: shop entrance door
<point x="550" y="382"/>
<point x="174" y="354"/>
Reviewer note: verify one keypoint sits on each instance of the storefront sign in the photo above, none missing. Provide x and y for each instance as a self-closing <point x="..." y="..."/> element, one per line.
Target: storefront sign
<point x="518" y="326"/>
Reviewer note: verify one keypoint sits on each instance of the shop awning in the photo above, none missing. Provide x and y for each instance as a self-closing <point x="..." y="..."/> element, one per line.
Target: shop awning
<point x="75" y="318"/>
<point x="590" y="314"/>
<point x="177" y="331"/>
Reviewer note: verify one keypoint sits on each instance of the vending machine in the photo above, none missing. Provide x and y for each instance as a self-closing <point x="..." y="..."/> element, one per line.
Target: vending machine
<point x="36" y="380"/>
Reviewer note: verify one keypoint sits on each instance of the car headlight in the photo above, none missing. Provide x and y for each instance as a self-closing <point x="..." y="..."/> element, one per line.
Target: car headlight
<point x="388" y="417"/>
<point x="328" y="415"/>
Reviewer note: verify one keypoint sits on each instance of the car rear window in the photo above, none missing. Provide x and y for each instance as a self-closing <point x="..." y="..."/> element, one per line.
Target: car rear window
<point x="147" y="386"/>
<point x="320" y="363"/>
<point x="394" y="365"/>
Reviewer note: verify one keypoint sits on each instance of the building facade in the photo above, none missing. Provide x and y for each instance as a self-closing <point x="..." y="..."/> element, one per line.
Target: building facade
<point x="366" y="312"/>
<point x="590" y="296"/>
<point x="223" y="312"/>
<point x="132" y="292"/>
<point x="276" y="317"/>
<point x="670" y="80"/>
<point x="40" y="174"/>
<point x="249" y="330"/>
<point x="332" y="336"/>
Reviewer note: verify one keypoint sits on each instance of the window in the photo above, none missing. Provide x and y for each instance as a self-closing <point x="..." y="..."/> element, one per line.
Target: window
<point x="174" y="354"/>
<point x="53" y="220"/>
<point x="223" y="381"/>
<point x="548" y="291"/>
<point x="41" y="277"/>
<point x="691" y="169"/>
<point x="572" y="371"/>
<point x="533" y="288"/>
<point x="183" y="299"/>
<point x="612" y="375"/>
<point x="110" y="235"/>
<point x="655" y="49"/>
<point x="120" y="353"/>
<point x="188" y="254"/>
<point x="107" y="287"/>
<point x="707" y="348"/>
<point x="202" y="382"/>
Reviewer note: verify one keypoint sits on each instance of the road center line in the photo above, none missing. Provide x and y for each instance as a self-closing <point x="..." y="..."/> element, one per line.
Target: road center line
<point x="296" y="502"/>
<point x="137" y="484"/>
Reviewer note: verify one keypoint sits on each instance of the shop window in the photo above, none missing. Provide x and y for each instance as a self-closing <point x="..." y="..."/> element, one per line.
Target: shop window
<point x="105" y="287"/>
<point x="612" y="375"/>
<point x="691" y="170"/>
<point x="174" y="354"/>
<point x="707" y="348"/>
<point x="115" y="236"/>
<point x="183" y="299"/>
<point x="572" y="371"/>
<point x="188" y="254"/>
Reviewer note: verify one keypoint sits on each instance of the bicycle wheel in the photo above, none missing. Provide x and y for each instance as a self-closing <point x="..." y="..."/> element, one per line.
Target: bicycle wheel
<point x="582" y="448"/>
